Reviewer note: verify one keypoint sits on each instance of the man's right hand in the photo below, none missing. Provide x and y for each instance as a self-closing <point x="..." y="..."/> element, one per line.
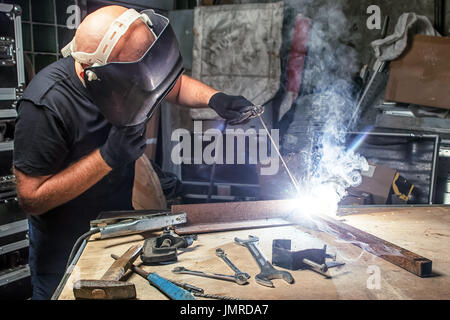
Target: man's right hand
<point x="124" y="145"/>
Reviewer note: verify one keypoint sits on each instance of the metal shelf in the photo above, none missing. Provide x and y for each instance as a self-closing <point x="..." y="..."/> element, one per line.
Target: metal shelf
<point x="14" y="246"/>
<point x="8" y="94"/>
<point x="7" y="146"/>
<point x="15" y="274"/>
<point x="8" y="113"/>
<point x="13" y="228"/>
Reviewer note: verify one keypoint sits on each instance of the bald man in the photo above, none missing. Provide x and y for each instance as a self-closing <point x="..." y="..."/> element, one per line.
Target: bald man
<point x="70" y="162"/>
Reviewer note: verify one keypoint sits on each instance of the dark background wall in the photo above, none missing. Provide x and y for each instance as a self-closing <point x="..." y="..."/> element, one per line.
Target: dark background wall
<point x="356" y="14"/>
<point x="45" y="31"/>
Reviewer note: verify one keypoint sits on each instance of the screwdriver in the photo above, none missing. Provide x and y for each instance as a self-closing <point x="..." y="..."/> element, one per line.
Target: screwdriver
<point x="165" y="286"/>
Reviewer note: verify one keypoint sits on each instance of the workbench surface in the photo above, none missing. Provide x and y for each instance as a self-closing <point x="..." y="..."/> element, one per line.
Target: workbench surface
<point x="423" y="230"/>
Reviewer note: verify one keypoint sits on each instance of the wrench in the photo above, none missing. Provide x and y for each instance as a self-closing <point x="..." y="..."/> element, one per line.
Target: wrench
<point x="242" y="276"/>
<point x="268" y="272"/>
<point x="217" y="276"/>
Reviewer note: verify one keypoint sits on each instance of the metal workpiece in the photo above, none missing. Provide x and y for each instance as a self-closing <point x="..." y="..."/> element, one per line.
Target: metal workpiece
<point x="237" y="279"/>
<point x="129" y="224"/>
<point x="242" y="276"/>
<point x="268" y="272"/>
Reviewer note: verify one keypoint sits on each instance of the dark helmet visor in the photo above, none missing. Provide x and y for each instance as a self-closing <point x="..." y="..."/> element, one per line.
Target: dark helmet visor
<point x="127" y="93"/>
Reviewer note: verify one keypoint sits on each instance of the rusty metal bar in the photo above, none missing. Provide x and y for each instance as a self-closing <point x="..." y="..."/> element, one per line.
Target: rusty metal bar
<point x="233" y="211"/>
<point x="232" y="226"/>
<point x="388" y="251"/>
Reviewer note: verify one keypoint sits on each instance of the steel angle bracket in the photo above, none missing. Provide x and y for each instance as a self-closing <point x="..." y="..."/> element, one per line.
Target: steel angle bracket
<point x="282" y="256"/>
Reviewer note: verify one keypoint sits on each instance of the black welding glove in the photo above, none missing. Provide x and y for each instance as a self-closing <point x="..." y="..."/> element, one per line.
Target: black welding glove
<point x="235" y="109"/>
<point x="124" y="145"/>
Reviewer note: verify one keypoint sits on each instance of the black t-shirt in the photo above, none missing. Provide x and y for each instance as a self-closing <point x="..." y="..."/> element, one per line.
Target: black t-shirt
<point x="57" y="125"/>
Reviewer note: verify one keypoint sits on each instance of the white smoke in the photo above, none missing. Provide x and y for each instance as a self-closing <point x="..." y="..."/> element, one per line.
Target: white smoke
<point x="327" y="107"/>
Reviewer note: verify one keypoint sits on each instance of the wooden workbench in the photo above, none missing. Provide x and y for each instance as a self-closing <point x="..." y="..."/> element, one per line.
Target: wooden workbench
<point x="423" y="230"/>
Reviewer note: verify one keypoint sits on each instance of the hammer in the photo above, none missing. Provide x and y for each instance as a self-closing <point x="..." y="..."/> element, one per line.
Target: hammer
<point x="109" y="287"/>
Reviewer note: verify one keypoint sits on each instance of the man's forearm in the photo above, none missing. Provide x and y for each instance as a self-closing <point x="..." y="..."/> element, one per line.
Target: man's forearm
<point x="39" y="196"/>
<point x="191" y="93"/>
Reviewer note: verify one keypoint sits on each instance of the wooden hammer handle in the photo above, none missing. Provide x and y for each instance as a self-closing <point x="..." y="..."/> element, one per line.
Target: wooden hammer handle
<point x="121" y="265"/>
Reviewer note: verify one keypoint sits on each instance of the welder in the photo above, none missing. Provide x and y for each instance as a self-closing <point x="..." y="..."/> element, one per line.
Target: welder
<point x="81" y="126"/>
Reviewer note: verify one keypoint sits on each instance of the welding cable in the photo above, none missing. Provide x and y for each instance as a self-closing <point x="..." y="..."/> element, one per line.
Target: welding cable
<point x="78" y="243"/>
<point x="168" y="180"/>
<point x="74" y="255"/>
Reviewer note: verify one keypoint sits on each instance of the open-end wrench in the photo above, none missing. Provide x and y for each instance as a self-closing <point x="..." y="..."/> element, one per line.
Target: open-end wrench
<point x="268" y="272"/>
<point x="218" y="276"/>
<point x="242" y="276"/>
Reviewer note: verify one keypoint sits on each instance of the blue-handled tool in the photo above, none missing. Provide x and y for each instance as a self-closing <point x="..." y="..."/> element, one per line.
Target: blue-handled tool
<point x="171" y="290"/>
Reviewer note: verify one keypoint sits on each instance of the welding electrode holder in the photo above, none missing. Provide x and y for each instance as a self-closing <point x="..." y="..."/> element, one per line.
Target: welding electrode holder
<point x="119" y="223"/>
<point x="234" y="109"/>
<point x="255" y="111"/>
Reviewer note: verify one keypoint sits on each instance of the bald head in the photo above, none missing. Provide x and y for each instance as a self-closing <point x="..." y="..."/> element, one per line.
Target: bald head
<point x="131" y="46"/>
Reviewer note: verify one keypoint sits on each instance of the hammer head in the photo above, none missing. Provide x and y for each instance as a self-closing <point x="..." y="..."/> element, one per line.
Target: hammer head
<point x="104" y="289"/>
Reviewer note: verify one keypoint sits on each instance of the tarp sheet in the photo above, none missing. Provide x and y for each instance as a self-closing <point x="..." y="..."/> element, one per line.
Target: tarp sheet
<point x="236" y="50"/>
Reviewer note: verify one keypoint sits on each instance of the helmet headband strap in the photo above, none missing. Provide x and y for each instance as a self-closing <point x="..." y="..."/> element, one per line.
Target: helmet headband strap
<point x="116" y="30"/>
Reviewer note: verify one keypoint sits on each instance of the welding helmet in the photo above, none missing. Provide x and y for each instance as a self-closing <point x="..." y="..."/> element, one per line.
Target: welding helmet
<point x="127" y="93"/>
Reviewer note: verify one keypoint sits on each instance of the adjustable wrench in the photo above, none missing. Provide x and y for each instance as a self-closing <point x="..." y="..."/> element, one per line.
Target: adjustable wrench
<point x="268" y="272"/>
<point x="242" y="276"/>
<point x="238" y="280"/>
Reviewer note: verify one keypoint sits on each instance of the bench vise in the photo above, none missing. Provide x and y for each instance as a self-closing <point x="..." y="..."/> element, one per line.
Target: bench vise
<point x="163" y="249"/>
